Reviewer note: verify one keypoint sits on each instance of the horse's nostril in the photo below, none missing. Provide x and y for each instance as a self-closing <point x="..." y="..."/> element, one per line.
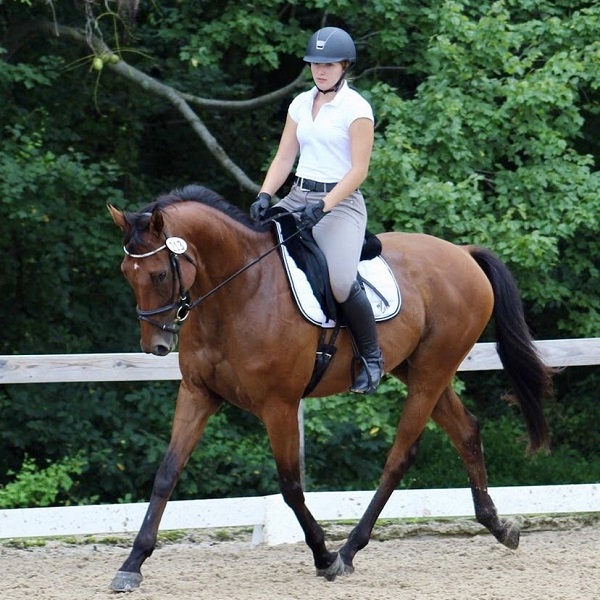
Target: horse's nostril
<point x="161" y="350"/>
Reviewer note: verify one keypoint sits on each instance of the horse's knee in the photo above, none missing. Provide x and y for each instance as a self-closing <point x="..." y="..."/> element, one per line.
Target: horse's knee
<point x="166" y="477"/>
<point x="472" y="423"/>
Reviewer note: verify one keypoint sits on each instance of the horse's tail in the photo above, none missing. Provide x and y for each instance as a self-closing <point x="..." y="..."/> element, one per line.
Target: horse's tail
<point x="529" y="376"/>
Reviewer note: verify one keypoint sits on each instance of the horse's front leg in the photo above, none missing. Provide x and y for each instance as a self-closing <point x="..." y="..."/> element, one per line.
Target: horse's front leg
<point x="193" y="409"/>
<point x="282" y="426"/>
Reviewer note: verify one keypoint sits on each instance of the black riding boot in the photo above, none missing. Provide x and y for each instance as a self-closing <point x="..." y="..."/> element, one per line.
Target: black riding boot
<point x="358" y="316"/>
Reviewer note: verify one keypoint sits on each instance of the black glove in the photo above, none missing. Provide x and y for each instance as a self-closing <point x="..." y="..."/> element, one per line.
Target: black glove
<point x="260" y="206"/>
<point x="312" y="214"/>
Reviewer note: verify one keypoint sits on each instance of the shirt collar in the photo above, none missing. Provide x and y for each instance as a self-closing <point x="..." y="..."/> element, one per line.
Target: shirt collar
<point x="341" y="93"/>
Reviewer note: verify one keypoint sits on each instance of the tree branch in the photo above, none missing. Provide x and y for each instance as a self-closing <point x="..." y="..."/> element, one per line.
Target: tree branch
<point x="179" y="100"/>
<point x="253" y="103"/>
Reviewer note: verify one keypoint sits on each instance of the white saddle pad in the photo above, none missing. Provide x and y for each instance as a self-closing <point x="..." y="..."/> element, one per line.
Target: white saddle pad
<point x="376" y="272"/>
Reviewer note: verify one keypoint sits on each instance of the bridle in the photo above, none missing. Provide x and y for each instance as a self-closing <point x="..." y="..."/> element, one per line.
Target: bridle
<point x="178" y="247"/>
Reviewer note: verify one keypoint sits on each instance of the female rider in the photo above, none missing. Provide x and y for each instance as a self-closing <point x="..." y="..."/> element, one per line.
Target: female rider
<point x="331" y="128"/>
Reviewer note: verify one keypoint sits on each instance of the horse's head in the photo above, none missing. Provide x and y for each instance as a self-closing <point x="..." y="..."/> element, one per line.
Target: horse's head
<point x="160" y="270"/>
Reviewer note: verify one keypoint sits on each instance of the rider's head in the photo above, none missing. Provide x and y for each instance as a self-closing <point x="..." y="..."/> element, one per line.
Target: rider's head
<point x="331" y="45"/>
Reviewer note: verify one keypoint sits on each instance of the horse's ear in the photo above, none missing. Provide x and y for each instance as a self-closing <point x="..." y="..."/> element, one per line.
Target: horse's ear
<point x="156" y="223"/>
<point x="117" y="216"/>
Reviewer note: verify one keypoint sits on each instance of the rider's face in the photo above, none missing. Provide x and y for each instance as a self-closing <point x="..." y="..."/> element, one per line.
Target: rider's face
<point x="326" y="75"/>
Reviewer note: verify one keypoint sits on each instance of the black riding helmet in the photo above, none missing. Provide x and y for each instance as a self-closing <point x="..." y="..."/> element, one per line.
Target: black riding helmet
<point x="330" y="45"/>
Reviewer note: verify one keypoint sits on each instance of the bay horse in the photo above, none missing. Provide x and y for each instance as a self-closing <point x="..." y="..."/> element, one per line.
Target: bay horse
<point x="246" y="343"/>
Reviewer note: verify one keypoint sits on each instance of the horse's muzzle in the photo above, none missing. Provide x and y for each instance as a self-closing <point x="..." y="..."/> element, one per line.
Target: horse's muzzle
<point x="160" y="343"/>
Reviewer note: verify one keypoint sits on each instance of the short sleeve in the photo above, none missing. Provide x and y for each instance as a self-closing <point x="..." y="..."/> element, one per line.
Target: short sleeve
<point x="359" y="108"/>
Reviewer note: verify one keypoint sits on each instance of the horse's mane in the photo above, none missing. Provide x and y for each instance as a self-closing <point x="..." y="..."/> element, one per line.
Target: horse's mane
<point x="138" y="221"/>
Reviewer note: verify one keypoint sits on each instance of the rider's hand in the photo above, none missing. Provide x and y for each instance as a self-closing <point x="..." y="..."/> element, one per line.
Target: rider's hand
<point x="312" y="214"/>
<point x="260" y="206"/>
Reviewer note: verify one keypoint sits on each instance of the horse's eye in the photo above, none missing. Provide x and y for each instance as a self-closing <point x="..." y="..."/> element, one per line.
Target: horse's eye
<point x="160" y="277"/>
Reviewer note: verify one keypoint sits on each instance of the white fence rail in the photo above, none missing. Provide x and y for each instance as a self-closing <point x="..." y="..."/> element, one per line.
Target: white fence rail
<point x="274" y="523"/>
<point x="272" y="520"/>
<point x="135" y="366"/>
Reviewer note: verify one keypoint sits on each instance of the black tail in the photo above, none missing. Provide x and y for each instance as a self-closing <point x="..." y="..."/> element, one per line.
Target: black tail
<point x="530" y="378"/>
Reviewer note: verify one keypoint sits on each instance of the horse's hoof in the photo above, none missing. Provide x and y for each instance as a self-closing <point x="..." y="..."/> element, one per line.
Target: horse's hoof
<point x="337" y="567"/>
<point x="511" y="535"/>
<point x="125" y="581"/>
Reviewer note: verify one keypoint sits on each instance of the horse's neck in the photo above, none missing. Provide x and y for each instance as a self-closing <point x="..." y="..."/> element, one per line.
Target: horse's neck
<point x="230" y="252"/>
<point x="235" y="325"/>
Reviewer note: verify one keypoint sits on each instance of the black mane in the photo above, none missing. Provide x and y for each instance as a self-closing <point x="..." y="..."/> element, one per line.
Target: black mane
<point x="138" y="221"/>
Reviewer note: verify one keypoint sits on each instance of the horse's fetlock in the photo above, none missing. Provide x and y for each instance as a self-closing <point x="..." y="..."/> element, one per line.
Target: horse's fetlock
<point x="487" y="518"/>
<point x="358" y="539"/>
<point x="326" y="560"/>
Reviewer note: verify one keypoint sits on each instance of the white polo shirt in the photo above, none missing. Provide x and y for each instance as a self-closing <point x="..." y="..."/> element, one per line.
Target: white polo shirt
<point x="325" y="141"/>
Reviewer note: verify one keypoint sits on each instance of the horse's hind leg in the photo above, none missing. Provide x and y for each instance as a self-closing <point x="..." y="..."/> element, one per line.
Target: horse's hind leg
<point x="424" y="388"/>
<point x="463" y="429"/>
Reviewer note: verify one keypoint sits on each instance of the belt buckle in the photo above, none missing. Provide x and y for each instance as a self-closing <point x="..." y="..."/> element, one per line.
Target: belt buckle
<point x="301" y="183"/>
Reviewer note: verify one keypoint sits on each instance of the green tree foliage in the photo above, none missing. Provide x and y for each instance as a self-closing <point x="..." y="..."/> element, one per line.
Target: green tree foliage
<point x="491" y="150"/>
<point x="40" y="487"/>
<point x="487" y="133"/>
